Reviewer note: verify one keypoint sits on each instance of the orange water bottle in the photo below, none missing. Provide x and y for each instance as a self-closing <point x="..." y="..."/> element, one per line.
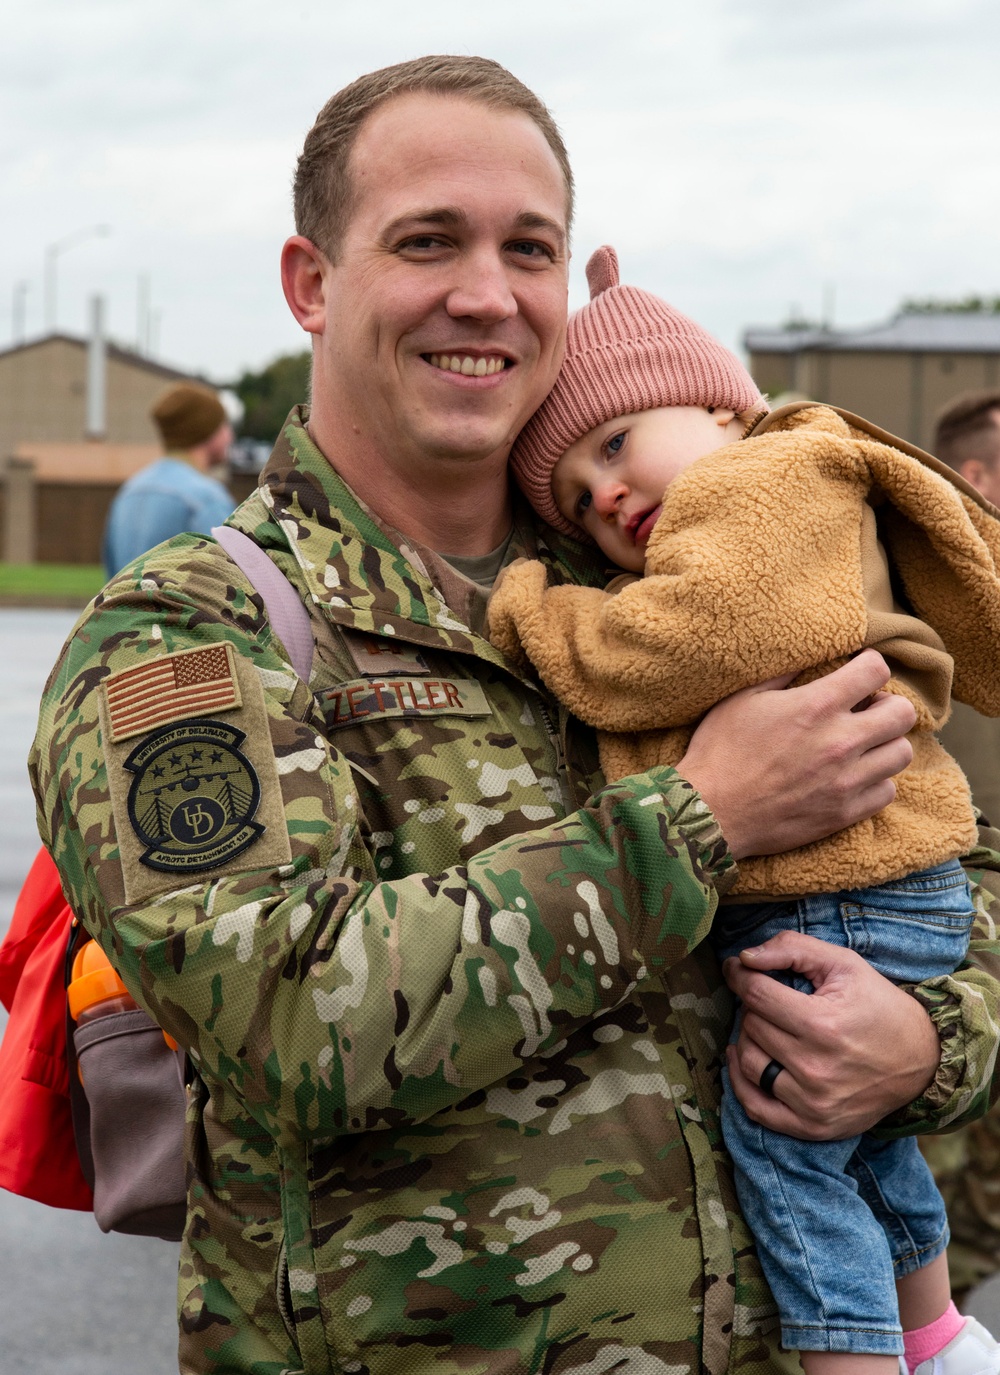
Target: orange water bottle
<point x="96" y="990"/>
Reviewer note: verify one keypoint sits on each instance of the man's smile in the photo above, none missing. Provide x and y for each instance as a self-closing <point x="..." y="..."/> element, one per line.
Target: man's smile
<point x="467" y="364"/>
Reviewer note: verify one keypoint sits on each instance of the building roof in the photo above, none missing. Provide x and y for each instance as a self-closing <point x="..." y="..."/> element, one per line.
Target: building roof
<point x="115" y="351"/>
<point x="909" y="332"/>
<point x="85" y="461"/>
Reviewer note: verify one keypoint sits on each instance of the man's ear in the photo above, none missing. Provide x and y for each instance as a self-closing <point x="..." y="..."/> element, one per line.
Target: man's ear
<point x="303" y="280"/>
<point x="974" y="472"/>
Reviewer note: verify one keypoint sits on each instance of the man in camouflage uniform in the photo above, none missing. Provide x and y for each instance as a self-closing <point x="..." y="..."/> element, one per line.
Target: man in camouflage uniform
<point x="455" y="1032"/>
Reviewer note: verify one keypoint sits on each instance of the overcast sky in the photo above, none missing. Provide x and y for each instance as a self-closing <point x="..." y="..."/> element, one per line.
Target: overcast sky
<point x="744" y="156"/>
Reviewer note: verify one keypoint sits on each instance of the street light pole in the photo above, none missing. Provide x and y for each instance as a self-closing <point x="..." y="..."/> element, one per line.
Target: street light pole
<point x="52" y="252"/>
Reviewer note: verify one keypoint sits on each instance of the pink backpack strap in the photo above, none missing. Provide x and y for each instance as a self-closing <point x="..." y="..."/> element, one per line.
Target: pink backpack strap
<point x="288" y="617"/>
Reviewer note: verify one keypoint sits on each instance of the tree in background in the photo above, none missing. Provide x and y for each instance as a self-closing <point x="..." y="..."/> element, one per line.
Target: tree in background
<point x="269" y="395"/>
<point x="966" y="305"/>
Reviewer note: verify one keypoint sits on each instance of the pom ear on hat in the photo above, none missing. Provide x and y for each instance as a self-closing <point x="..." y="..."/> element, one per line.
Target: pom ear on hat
<point x="626" y="351"/>
<point x="602" y="270"/>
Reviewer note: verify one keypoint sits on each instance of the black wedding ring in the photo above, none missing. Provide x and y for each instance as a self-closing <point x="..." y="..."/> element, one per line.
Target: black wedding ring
<point x="771" y="1071"/>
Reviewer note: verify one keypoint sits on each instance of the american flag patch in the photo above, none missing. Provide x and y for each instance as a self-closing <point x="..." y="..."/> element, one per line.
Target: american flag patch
<point x="192" y="682"/>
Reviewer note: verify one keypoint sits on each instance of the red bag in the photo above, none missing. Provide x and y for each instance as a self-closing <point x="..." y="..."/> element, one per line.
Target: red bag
<point x="38" y="1155"/>
<point x="137" y="1191"/>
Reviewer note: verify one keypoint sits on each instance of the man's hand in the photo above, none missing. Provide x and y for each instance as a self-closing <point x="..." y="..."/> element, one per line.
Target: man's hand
<point x="854" y="1050"/>
<point x="781" y="767"/>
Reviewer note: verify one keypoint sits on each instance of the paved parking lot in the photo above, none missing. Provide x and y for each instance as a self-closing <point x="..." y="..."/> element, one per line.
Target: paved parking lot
<point x="74" y="1302"/>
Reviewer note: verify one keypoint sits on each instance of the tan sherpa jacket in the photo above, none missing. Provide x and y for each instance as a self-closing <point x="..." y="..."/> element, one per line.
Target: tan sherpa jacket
<point x="781" y="553"/>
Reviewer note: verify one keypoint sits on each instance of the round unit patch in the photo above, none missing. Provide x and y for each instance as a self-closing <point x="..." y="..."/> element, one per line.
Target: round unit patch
<point x="193" y="797"/>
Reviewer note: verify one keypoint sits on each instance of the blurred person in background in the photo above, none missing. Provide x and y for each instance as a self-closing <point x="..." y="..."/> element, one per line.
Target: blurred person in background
<point x="966" y="1163"/>
<point x="967" y="438"/>
<point x="178" y="492"/>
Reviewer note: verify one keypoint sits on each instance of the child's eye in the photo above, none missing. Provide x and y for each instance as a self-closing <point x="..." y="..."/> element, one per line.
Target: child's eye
<point x="615" y="444"/>
<point x="583" y="503"/>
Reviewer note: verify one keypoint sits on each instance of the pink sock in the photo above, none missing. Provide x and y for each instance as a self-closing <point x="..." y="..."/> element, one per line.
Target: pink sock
<point x="924" y="1342"/>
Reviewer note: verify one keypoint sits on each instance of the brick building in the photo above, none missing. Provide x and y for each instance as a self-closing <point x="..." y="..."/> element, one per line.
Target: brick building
<point x="43" y="393"/>
<point x="74" y="423"/>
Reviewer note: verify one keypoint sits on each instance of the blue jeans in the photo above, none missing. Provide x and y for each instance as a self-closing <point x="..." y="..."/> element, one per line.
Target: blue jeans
<point x="836" y="1222"/>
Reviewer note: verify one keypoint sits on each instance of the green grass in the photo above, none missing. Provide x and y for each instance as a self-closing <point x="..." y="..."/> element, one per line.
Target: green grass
<point x="74" y="582"/>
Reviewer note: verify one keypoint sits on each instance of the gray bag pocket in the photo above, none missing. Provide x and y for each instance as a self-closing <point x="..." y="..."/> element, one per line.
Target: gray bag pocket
<point x="135" y="1097"/>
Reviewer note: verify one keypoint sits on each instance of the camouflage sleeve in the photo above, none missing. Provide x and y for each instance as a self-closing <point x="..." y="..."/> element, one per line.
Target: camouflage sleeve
<point x="328" y="999"/>
<point x="965" y="1009"/>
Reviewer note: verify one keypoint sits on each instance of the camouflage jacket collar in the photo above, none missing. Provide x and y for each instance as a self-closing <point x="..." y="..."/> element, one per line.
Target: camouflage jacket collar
<point x="365" y="581"/>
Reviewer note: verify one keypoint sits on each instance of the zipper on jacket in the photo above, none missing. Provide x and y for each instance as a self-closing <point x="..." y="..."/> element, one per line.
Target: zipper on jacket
<point x="555" y="734"/>
<point x="283" y="1292"/>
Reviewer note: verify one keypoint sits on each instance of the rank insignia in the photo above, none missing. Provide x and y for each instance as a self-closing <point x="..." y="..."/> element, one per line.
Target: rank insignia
<point x="193" y="797"/>
<point x="376" y="656"/>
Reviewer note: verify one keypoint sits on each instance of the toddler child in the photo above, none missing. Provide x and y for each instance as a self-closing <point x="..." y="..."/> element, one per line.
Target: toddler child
<point x="772" y="543"/>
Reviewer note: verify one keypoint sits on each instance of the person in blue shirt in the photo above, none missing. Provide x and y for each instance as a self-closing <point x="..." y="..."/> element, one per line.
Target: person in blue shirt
<point x="178" y="492"/>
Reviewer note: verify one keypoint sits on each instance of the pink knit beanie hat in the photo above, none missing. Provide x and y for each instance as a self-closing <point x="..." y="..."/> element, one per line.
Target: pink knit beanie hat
<point x="627" y="351"/>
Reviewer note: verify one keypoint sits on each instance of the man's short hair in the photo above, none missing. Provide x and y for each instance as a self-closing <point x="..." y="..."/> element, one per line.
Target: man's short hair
<point x="967" y="429"/>
<point x="323" y="189"/>
<point x="186" y="415"/>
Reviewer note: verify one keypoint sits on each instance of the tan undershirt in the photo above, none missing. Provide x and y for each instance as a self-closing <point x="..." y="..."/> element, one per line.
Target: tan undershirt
<point x="481" y="568"/>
